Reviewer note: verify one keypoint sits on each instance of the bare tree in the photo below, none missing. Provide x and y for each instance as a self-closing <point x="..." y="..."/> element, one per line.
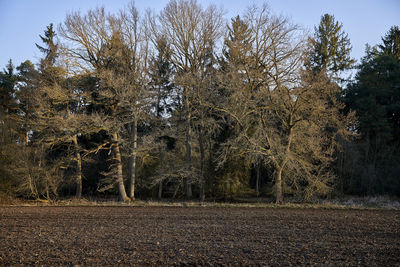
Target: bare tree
<point x="281" y="113"/>
<point x="113" y="49"/>
<point x="136" y="99"/>
<point x="192" y="32"/>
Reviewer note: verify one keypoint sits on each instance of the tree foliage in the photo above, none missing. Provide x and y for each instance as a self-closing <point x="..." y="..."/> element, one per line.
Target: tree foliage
<point x="391" y="42"/>
<point x="331" y="47"/>
<point x="375" y="96"/>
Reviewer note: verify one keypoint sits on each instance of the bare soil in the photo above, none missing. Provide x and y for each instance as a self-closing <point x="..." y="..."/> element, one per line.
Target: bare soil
<point x="100" y="236"/>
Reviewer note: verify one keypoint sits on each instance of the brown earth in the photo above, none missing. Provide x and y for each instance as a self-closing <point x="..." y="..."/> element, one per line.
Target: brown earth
<point x="156" y="236"/>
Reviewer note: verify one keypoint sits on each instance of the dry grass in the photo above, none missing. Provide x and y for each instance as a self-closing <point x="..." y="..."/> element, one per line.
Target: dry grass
<point x="380" y="202"/>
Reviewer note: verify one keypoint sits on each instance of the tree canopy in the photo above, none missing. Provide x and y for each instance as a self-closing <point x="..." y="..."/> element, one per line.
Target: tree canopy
<point x="330" y="47"/>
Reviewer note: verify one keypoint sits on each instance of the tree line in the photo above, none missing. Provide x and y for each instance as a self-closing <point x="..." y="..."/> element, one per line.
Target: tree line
<point x="181" y="104"/>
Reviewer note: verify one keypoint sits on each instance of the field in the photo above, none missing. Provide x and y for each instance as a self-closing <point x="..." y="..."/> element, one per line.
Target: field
<point x="101" y="235"/>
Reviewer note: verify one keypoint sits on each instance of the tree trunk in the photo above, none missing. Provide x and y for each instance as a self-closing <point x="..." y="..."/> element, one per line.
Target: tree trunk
<point x="202" y="182"/>
<point x="26" y="127"/>
<point x="117" y="157"/>
<point x="158" y="114"/>
<point x="132" y="160"/>
<point x="78" y="160"/>
<point x="210" y="165"/>
<point x="341" y="167"/>
<point x="258" y="179"/>
<point x="160" y="185"/>
<point x="278" y="185"/>
<point x="188" y="186"/>
<point x="31" y="186"/>
<point x="47" y="190"/>
<point x="26" y="137"/>
<point x="160" y="190"/>
<point x="278" y="182"/>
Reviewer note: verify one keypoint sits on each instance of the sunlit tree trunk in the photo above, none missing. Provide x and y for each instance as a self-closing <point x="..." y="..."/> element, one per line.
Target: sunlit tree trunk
<point x="120" y="180"/>
<point x="132" y="160"/>
<point x="278" y="186"/>
<point x="26" y="137"/>
<point x="280" y="167"/>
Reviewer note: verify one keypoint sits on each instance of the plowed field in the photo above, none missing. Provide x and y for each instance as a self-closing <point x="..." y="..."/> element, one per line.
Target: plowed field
<point x="156" y="236"/>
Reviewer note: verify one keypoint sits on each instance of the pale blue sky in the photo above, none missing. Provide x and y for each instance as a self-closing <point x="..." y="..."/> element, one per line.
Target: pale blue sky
<point x="21" y="21"/>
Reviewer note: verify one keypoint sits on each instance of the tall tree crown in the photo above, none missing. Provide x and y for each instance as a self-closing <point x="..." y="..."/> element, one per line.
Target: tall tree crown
<point x="330" y="47"/>
<point x="391" y="42"/>
<point x="51" y="48"/>
<point x="7" y="83"/>
<point x="238" y="41"/>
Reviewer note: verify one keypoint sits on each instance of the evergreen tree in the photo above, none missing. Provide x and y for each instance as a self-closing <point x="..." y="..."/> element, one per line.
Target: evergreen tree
<point x="330" y="47"/>
<point x="8" y="80"/>
<point x="237" y="69"/>
<point x="238" y="43"/>
<point x="8" y="127"/>
<point x="391" y="42"/>
<point x="161" y="74"/>
<point x="27" y="88"/>
<point x="50" y="50"/>
<point x="375" y="96"/>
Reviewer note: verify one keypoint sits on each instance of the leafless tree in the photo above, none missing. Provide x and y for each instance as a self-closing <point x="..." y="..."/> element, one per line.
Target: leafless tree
<point x="113" y="49"/>
<point x="281" y="113"/>
<point x="192" y="33"/>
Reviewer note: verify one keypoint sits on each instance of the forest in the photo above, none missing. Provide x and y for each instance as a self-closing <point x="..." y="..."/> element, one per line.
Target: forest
<point x="186" y="104"/>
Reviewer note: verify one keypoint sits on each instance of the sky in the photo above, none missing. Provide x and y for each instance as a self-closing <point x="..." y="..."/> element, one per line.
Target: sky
<point x="22" y="21"/>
